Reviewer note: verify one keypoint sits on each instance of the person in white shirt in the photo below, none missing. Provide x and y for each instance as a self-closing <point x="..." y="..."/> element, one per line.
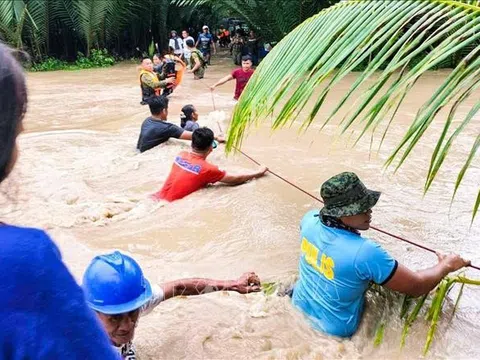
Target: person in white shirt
<point x="117" y="291"/>
<point x="176" y="44"/>
<point x="187" y="53"/>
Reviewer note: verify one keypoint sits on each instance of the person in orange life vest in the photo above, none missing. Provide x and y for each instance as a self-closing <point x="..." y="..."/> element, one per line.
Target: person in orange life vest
<point x="241" y="75"/>
<point x="157" y="130"/>
<point x="191" y="172"/>
<point x="149" y="82"/>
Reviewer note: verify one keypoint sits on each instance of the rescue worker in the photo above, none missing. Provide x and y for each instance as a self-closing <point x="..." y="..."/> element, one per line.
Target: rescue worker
<point x="149" y="83"/>
<point x="116" y="289"/>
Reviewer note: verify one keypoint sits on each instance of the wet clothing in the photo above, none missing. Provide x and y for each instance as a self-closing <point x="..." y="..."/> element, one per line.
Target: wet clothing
<point x="191" y="126"/>
<point x="155" y="132"/>
<point x="150" y="84"/>
<point x="197" y="57"/>
<point x="190" y="172"/>
<point x="128" y="350"/>
<point x="205" y="41"/>
<point x="336" y="268"/>
<point x="43" y="312"/>
<point x="241" y="78"/>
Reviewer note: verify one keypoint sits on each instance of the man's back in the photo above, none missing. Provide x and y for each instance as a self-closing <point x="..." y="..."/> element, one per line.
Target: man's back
<point x="155" y="132"/>
<point x="336" y="267"/>
<point x="190" y="172"/>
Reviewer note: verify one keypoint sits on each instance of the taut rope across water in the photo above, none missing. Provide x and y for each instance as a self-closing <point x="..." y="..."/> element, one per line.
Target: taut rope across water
<point x="318" y="199"/>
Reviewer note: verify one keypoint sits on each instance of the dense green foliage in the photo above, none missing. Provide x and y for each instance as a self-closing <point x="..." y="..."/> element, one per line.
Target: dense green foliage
<point x="97" y="58"/>
<point x="63" y="28"/>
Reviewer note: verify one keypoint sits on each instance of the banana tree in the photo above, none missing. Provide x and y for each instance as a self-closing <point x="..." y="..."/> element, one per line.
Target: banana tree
<point x="397" y="42"/>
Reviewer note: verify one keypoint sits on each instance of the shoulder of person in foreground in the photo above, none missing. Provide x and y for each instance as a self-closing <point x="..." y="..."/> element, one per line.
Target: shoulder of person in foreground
<point x="373" y="263"/>
<point x="309" y="218"/>
<point x="44" y="297"/>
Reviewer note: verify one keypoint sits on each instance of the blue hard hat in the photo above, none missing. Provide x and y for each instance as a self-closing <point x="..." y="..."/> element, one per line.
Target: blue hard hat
<point x="114" y="284"/>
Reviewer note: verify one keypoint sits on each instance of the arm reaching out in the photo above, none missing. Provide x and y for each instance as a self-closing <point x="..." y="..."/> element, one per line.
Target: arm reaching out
<point x="240" y="179"/>
<point x="221" y="81"/>
<point x="247" y="283"/>
<point x="423" y="281"/>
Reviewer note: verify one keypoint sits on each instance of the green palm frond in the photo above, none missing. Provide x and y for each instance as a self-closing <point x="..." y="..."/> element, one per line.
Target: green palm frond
<point x="12" y="19"/>
<point x="396" y="42"/>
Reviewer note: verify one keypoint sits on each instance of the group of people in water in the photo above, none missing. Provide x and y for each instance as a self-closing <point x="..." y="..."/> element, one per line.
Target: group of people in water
<point x="46" y="315"/>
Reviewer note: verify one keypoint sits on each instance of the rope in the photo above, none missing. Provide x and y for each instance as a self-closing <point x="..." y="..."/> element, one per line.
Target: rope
<point x="321" y="201"/>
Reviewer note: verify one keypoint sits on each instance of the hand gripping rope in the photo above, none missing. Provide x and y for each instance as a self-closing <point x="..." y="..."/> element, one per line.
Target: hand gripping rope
<point x="318" y="199"/>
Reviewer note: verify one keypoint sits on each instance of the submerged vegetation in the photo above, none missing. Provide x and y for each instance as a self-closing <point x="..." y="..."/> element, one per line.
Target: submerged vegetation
<point x="396" y="42"/>
<point x="393" y="303"/>
<point x="431" y="305"/>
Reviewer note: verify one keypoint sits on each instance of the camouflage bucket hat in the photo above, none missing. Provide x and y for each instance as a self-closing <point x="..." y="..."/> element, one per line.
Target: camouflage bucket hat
<point x="345" y="195"/>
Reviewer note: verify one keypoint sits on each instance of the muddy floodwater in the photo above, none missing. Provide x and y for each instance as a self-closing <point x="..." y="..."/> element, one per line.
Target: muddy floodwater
<point x="80" y="178"/>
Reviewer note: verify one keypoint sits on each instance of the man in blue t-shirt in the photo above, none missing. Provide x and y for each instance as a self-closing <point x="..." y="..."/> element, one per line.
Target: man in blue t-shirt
<point x="205" y="43"/>
<point x="337" y="264"/>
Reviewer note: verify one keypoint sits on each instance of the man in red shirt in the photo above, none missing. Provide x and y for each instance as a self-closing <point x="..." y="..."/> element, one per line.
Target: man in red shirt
<point x="191" y="172"/>
<point x="242" y="75"/>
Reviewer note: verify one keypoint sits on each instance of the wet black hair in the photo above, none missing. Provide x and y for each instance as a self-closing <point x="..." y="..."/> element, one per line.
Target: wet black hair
<point x="157" y="104"/>
<point x="202" y="139"/>
<point x="13" y="105"/>
<point x="247" y="58"/>
<point x="190" y="43"/>
<point x="187" y="111"/>
<point x="145" y="58"/>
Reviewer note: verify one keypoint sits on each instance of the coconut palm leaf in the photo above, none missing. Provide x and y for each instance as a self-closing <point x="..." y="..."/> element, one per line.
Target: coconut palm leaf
<point x="12" y="19"/>
<point x="396" y="42"/>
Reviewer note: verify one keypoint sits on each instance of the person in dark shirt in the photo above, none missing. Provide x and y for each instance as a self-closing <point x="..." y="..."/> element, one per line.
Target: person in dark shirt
<point x="156" y="130"/>
<point x="205" y="43"/>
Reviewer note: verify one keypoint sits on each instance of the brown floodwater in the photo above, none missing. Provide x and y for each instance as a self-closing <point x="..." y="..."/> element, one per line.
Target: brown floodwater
<point x="80" y="177"/>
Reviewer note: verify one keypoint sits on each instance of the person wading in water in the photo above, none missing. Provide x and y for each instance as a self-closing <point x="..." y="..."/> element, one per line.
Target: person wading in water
<point x="150" y="84"/>
<point x="44" y="313"/>
<point x="191" y="171"/>
<point x="156" y="129"/>
<point x="241" y="75"/>
<point x="118" y="292"/>
<point x="337" y="264"/>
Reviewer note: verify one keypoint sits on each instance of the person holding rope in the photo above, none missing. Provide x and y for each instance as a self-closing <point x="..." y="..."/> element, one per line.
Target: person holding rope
<point x="191" y="172"/>
<point x="116" y="289"/>
<point x="241" y="75"/>
<point x="337" y="264"/>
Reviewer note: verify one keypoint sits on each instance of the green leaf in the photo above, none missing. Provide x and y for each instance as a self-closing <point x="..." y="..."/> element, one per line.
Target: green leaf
<point x="400" y="40"/>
